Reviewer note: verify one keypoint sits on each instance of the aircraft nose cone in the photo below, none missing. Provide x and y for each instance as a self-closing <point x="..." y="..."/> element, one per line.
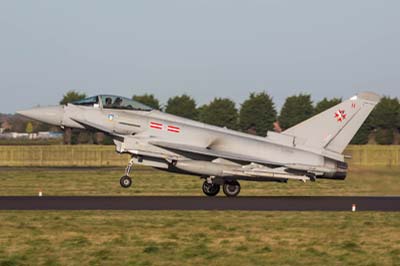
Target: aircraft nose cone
<point x="51" y="115"/>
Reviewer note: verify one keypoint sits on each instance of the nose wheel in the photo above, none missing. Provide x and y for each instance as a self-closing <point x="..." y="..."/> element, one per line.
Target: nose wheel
<point x="125" y="181"/>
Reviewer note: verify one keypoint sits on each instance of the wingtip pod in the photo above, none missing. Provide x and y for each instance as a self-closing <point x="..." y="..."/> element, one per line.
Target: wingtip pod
<point x="369" y="96"/>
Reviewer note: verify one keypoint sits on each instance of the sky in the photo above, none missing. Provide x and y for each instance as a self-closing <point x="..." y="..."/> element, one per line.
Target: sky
<point x="204" y="48"/>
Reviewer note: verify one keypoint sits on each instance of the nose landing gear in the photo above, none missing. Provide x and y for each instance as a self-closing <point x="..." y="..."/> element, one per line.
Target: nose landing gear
<point x="126" y="181"/>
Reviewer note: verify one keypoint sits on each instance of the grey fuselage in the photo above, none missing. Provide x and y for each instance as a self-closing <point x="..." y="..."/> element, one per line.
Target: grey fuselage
<point x="135" y="128"/>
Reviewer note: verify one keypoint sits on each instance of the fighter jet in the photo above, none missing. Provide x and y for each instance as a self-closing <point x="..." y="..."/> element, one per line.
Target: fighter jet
<point x="308" y="151"/>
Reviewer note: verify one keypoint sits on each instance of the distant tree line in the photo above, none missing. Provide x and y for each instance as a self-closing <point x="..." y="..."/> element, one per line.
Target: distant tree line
<point x="258" y="114"/>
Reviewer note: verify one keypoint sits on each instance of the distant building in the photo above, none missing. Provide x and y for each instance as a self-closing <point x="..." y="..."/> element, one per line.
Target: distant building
<point x="49" y="135"/>
<point x="5" y="126"/>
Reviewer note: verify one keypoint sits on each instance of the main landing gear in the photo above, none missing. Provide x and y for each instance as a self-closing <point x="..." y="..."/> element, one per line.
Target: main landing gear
<point x="211" y="189"/>
<point x="126" y="181"/>
<point x="231" y="188"/>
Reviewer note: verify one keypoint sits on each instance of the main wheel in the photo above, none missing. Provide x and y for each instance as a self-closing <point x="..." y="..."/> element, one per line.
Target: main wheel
<point x="231" y="188"/>
<point x="125" y="181"/>
<point x="210" y="190"/>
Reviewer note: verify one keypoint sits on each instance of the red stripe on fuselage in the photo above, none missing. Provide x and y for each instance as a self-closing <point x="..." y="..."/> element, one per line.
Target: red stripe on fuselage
<point x="156" y="125"/>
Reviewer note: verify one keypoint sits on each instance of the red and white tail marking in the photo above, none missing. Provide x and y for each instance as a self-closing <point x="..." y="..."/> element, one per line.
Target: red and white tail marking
<point x="340" y="115"/>
<point x="174" y="129"/>
<point x="156" y="125"/>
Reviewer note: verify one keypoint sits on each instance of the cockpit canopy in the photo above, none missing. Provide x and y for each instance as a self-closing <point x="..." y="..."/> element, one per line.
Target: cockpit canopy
<point x="112" y="102"/>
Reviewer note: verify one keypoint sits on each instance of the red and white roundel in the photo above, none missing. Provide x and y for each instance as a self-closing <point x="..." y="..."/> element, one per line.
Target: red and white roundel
<point x="340" y="115"/>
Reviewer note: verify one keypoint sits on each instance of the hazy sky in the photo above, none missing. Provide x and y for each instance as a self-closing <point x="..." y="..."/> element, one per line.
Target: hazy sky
<point x="202" y="48"/>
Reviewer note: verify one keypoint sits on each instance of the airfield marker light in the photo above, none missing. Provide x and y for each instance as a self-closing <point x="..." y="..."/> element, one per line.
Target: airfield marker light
<point x="353" y="208"/>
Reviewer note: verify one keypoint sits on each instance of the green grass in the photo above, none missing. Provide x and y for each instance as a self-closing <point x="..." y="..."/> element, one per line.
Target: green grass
<point x="198" y="238"/>
<point x="105" y="181"/>
<point x="194" y="238"/>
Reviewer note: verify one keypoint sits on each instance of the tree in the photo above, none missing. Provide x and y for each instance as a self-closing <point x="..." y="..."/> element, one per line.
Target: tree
<point x="398" y="128"/>
<point x="296" y="109"/>
<point x="384" y="136"/>
<point x="18" y="123"/>
<point x="220" y="112"/>
<point x="72" y="96"/>
<point x="68" y="136"/>
<point x="385" y="114"/>
<point x="362" y="135"/>
<point x="325" y="104"/>
<point x="29" y="127"/>
<point x="257" y="114"/>
<point x="147" y="99"/>
<point x="39" y="126"/>
<point x="183" y="105"/>
<point x="398" y="121"/>
<point x="384" y="118"/>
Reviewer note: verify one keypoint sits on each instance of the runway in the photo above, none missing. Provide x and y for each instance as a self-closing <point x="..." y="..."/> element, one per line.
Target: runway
<point x="289" y="203"/>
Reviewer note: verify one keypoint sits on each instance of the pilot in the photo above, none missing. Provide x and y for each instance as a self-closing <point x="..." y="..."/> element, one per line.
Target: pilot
<point x="117" y="102"/>
<point x="108" y="102"/>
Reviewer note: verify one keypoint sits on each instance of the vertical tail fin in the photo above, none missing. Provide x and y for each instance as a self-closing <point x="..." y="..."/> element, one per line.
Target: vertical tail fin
<point x="334" y="128"/>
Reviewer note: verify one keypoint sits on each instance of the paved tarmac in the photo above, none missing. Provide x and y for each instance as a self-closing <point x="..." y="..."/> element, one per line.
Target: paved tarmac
<point x="289" y="203"/>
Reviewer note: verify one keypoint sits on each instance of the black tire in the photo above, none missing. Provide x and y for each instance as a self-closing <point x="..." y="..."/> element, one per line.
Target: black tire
<point x="125" y="181"/>
<point x="210" y="190"/>
<point x="231" y="188"/>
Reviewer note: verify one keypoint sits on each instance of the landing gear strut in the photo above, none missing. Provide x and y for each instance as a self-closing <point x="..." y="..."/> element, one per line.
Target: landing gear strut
<point x="126" y="181"/>
<point x="210" y="189"/>
<point x="231" y="188"/>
